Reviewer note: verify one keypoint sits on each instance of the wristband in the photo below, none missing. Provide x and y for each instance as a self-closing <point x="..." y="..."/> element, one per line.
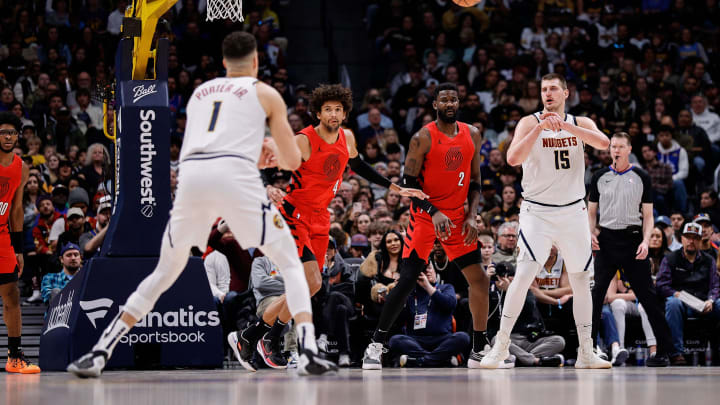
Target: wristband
<point x="16" y="240"/>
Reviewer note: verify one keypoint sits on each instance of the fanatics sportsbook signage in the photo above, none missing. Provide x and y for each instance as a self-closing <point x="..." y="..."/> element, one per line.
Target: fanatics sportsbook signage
<point x="183" y="330"/>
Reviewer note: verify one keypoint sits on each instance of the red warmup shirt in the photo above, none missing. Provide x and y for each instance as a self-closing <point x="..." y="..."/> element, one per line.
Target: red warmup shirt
<point x="445" y="175"/>
<point x="317" y="180"/>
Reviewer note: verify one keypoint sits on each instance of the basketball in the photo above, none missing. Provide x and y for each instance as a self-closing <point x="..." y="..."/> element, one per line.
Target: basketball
<point x="466" y="3"/>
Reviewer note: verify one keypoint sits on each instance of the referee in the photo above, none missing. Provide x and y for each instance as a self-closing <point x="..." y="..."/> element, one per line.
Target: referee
<point x="623" y="195"/>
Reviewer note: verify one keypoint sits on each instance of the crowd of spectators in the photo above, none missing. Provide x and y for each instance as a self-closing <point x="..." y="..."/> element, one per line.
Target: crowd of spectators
<point x="648" y="68"/>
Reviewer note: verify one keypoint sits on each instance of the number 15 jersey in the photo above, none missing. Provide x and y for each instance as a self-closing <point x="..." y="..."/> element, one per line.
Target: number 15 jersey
<point x="554" y="171"/>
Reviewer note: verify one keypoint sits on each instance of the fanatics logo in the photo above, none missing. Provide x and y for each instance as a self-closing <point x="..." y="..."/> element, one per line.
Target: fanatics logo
<point x="453" y="158"/>
<point x="277" y="221"/>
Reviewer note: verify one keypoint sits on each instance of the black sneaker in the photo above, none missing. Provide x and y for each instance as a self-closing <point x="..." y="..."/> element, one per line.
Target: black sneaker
<point x="243" y="350"/>
<point x="552" y="361"/>
<point x="271" y="353"/>
<point x="657" y="360"/>
<point x="310" y="363"/>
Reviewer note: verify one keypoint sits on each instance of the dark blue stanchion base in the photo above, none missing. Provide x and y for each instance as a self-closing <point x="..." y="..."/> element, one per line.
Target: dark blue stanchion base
<point x="183" y="330"/>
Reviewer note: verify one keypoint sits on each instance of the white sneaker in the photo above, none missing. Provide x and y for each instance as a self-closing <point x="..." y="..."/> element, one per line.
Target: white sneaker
<point x="600" y="352"/>
<point x="36" y="297"/>
<point x="89" y="365"/>
<point x="344" y="360"/>
<point x="619" y="356"/>
<point x="498" y="354"/>
<point x="587" y="358"/>
<point x="372" y="360"/>
<point x="476" y="358"/>
<point x="293" y="361"/>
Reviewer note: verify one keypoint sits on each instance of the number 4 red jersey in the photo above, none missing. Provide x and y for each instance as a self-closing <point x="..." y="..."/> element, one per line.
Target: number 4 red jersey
<point x="445" y="175"/>
<point x="317" y="180"/>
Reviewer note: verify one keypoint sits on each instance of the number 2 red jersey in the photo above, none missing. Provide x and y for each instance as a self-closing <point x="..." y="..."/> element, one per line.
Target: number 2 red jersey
<point x="445" y="175"/>
<point x="10" y="177"/>
<point x="317" y="180"/>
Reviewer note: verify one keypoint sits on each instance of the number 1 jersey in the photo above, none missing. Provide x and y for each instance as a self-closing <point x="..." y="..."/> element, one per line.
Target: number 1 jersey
<point x="225" y="118"/>
<point x="554" y="171"/>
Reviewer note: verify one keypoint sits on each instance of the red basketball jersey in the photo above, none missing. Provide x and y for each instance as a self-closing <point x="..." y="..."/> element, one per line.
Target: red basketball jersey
<point x="317" y="180"/>
<point x="445" y="175"/>
<point x="10" y="177"/>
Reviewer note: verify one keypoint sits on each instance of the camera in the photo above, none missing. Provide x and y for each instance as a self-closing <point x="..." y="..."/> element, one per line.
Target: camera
<point x="504" y="269"/>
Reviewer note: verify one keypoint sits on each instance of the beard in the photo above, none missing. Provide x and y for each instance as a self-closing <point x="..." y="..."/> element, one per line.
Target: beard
<point x="331" y="128"/>
<point x="2" y="148"/>
<point x="442" y="116"/>
<point x="72" y="269"/>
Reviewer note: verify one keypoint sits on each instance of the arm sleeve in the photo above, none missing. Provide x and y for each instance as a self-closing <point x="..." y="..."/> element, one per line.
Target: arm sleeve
<point x="425" y="205"/>
<point x="362" y="168"/>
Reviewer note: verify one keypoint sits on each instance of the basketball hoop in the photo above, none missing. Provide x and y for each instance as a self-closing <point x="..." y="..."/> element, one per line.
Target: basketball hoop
<point x="224" y="9"/>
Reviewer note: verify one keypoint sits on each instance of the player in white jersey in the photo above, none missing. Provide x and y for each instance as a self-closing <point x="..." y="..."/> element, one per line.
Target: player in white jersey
<point x="219" y="160"/>
<point x="549" y="145"/>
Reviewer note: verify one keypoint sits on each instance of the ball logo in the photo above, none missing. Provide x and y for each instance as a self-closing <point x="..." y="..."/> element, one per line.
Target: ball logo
<point x="278" y="222"/>
<point x="453" y="158"/>
<point x="331" y="167"/>
<point x="147" y="211"/>
<point x="4" y="186"/>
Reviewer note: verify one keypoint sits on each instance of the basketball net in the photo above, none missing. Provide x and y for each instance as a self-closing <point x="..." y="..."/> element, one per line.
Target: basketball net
<point x="224" y="9"/>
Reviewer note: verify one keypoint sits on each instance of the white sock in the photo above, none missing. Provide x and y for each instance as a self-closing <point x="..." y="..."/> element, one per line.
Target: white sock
<point x="306" y="336"/>
<point x="111" y="335"/>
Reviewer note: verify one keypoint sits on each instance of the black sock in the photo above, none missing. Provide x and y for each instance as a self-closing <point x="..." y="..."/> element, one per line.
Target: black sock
<point x="255" y="332"/>
<point x="276" y="330"/>
<point x="479" y="340"/>
<point x="380" y="336"/>
<point x="14" y="345"/>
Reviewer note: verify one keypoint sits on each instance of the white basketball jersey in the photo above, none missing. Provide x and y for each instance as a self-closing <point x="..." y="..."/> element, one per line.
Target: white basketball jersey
<point x="550" y="279"/>
<point x="224" y="118"/>
<point x="554" y="171"/>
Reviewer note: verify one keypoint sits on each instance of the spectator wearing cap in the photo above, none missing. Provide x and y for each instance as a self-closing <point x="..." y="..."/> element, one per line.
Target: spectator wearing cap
<point x="489" y="199"/>
<point x="660" y="177"/>
<point x="624" y="109"/>
<point x="429" y="340"/>
<point x="78" y="198"/>
<point x="337" y="296"/>
<point x="91" y="241"/>
<point x="76" y="226"/>
<point x="665" y="224"/>
<point x="53" y="283"/>
<point x="707" y="245"/>
<point x="672" y="153"/>
<point x="507" y="247"/>
<point x="60" y="198"/>
<point x="358" y="246"/>
<point x="692" y="271"/>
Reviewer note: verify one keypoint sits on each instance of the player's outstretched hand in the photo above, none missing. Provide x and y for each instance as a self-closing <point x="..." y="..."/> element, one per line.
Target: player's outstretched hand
<point x="268" y="154"/>
<point x="409" y="192"/>
<point x="275" y="194"/>
<point x="443" y="225"/>
<point x="470" y="231"/>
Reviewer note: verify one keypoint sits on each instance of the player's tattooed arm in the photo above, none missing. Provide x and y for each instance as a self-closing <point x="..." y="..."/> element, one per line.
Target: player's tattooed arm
<point x="419" y="147"/>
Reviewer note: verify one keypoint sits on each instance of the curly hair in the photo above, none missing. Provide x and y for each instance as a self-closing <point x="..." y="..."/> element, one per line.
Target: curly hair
<point x="331" y="92"/>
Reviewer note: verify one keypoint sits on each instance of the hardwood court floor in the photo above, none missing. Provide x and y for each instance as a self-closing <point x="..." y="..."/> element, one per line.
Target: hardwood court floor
<point x="620" y="386"/>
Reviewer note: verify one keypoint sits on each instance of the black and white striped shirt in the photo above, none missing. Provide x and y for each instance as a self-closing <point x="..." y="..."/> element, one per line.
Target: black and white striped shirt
<point x="620" y="196"/>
